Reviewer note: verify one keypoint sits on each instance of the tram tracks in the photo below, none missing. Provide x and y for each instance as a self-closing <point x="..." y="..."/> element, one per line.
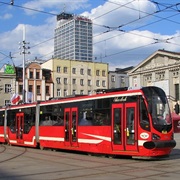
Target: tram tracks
<point x="4" y="149"/>
<point x="78" y="166"/>
<point x="52" y="158"/>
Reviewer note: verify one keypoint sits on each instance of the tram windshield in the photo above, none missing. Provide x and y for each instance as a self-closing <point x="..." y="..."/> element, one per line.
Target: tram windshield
<point x="158" y="108"/>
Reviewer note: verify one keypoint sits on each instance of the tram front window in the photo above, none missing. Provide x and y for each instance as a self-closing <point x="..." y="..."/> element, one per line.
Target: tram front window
<point x="160" y="112"/>
<point x="159" y="109"/>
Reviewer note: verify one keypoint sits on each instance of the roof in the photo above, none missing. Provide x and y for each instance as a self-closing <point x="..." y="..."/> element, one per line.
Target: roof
<point x="160" y="52"/>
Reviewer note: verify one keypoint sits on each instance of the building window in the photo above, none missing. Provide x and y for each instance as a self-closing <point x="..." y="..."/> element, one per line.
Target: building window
<point x="89" y="92"/>
<point x="46" y="74"/>
<point x="65" y="81"/>
<point x="81" y="92"/>
<point x="160" y="76"/>
<point x="176" y="87"/>
<point x="97" y="83"/>
<point x="58" y="80"/>
<point x="20" y="89"/>
<point x="74" y="70"/>
<point x="89" y="72"/>
<point x="82" y="82"/>
<point x="148" y="78"/>
<point x="97" y="72"/>
<point x="82" y="71"/>
<point x="113" y="78"/>
<point x="58" y="92"/>
<point x="65" y="69"/>
<point x="8" y="88"/>
<point x="7" y="102"/>
<point x="58" y="69"/>
<point x="104" y="83"/>
<point x="74" y="81"/>
<point x="31" y="74"/>
<point x="89" y="83"/>
<point x="74" y="92"/>
<point x="30" y="88"/>
<point x="38" y="89"/>
<point x="175" y="74"/>
<point x="122" y="82"/>
<point x="65" y="92"/>
<point x="103" y="73"/>
<point x="37" y="75"/>
<point x="47" y="90"/>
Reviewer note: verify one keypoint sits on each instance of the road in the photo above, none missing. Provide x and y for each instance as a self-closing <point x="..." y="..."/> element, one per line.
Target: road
<point x="19" y="163"/>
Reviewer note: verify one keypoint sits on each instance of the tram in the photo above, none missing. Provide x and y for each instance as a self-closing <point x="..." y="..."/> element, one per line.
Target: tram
<point x="125" y="121"/>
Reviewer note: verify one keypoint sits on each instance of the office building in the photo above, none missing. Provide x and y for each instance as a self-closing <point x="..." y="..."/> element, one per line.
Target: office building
<point x="73" y="38"/>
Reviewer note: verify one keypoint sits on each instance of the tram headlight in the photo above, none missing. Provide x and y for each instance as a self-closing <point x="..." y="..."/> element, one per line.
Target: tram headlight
<point x="155" y="137"/>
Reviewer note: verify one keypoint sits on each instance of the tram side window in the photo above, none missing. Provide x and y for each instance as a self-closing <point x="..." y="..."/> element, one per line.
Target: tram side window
<point x="85" y="118"/>
<point x="51" y="115"/>
<point x="101" y="118"/>
<point x="102" y="112"/>
<point x="144" y="119"/>
<point x="1" y="118"/>
<point x="94" y="118"/>
<point x="117" y="126"/>
<point x="85" y="115"/>
<point x="58" y="115"/>
<point x="130" y="125"/>
<point x="11" y="120"/>
<point x="45" y="120"/>
<point x="95" y="113"/>
<point x="59" y="119"/>
<point x="29" y="119"/>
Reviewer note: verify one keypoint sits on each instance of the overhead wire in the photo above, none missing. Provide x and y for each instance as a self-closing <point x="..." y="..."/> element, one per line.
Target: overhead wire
<point x="112" y="10"/>
<point x="27" y="8"/>
<point x="108" y="28"/>
<point x="146" y="24"/>
<point x="152" y="14"/>
<point x="132" y="49"/>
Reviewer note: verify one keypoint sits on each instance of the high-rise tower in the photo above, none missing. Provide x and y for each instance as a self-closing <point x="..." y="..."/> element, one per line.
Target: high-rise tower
<point x="73" y="37"/>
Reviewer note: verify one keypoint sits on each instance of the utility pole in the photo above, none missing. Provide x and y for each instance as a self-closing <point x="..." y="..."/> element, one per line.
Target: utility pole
<point x="24" y="51"/>
<point x="12" y="88"/>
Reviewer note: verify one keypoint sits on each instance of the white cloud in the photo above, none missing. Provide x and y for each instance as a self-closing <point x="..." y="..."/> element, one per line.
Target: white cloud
<point x="119" y="49"/>
<point x="129" y="46"/>
<point x="117" y="13"/>
<point x="60" y="5"/>
<point x="34" y="35"/>
<point x="6" y="16"/>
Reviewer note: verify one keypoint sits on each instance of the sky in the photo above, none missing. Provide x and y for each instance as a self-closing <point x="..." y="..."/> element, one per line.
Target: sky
<point x="125" y="32"/>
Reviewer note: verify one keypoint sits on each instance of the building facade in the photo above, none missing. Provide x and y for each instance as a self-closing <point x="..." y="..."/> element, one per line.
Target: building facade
<point x="38" y="83"/>
<point x="76" y="77"/>
<point x="73" y="38"/>
<point x="161" y="69"/>
<point x="7" y="83"/>
<point x="119" y="78"/>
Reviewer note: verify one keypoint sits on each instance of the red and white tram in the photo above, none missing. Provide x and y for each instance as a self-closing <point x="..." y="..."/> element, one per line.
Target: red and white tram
<point x="132" y="122"/>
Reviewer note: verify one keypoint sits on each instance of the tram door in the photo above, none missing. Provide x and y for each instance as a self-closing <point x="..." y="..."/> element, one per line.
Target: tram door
<point x="19" y="127"/>
<point x="124" y="133"/>
<point x="70" y="126"/>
